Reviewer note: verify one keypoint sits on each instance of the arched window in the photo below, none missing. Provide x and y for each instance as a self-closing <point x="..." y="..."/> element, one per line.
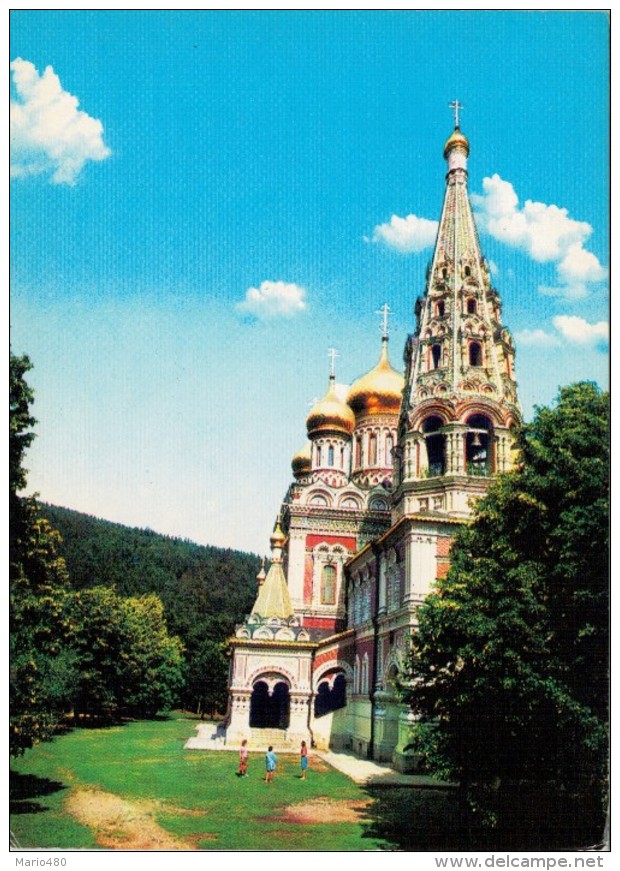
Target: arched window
<point x="358" y="451"/>
<point x="478" y="443"/>
<point x="389" y="446"/>
<point x="475" y="354"/>
<point x="472" y="306"/>
<point x="330" y="455"/>
<point x="372" y="458"/>
<point x="435" y="445"/>
<point x="318" y="455"/>
<point x="436" y="356"/>
<point x="441" y="309"/>
<point x="467" y="271"/>
<point x="328" y="585"/>
<point x="364" y="681"/>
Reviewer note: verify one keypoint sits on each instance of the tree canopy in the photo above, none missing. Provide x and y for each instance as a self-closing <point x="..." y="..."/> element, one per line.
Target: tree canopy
<point x="509" y="670"/>
<point x="91" y="650"/>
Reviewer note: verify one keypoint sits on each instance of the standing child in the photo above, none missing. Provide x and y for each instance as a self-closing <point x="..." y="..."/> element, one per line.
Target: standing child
<point x="271" y="760"/>
<point x="243" y="759"/>
<point x="303" y="759"/>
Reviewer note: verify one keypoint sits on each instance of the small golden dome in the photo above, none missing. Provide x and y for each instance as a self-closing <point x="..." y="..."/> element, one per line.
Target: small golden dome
<point x="278" y="539"/>
<point x="379" y="391"/>
<point x="456" y="138"/>
<point x="330" y="414"/>
<point x="302" y="461"/>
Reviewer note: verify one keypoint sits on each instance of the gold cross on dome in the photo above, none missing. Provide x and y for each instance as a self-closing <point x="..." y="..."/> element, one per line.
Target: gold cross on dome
<point x="332" y="354"/>
<point x="456" y="106"/>
<point x="385" y="310"/>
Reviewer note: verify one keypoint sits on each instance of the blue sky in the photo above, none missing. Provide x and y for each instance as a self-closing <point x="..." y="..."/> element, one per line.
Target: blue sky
<point x="202" y="203"/>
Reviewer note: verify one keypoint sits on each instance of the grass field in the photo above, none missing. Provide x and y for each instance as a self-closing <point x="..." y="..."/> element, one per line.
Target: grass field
<point x="134" y="787"/>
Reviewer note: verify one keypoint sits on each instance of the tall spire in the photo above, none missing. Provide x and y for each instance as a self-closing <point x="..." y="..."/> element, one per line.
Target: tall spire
<point x="460" y="313"/>
<point x="460" y="398"/>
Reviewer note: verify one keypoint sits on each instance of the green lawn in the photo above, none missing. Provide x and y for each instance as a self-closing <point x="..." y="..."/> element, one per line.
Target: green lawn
<point x="137" y="781"/>
<point x="193" y="795"/>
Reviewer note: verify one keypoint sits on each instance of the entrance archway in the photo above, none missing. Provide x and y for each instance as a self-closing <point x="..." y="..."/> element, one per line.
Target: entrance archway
<point x="331" y="695"/>
<point x="269" y="706"/>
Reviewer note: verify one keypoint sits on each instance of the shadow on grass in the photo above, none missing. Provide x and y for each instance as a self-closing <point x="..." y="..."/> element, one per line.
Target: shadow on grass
<point x="24" y="789"/>
<point x="421" y="820"/>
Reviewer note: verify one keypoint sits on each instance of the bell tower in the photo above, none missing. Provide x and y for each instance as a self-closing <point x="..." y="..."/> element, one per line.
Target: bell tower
<point x="460" y="398"/>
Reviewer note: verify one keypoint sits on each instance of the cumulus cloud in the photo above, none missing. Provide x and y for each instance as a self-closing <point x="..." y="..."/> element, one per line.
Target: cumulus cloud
<point x="545" y="232"/>
<point x="579" y="331"/>
<point x="406" y="235"/>
<point x="273" y="299"/>
<point x="49" y="134"/>
<point x="536" y="337"/>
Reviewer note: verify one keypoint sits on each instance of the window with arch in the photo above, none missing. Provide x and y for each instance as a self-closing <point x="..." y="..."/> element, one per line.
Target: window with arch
<point x="441" y="308"/>
<point x="478" y="444"/>
<point x="475" y="354"/>
<point x="328" y="585"/>
<point x="435" y="445"/>
<point x="358" y="451"/>
<point x="436" y="356"/>
<point x="330" y="455"/>
<point x="467" y="271"/>
<point x="364" y="679"/>
<point x="318" y="454"/>
<point x="472" y="307"/>
<point x="372" y="450"/>
<point x="389" y="447"/>
<point x="356" y="675"/>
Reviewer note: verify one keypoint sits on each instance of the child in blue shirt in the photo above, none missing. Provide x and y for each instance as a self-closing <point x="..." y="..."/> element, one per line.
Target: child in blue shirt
<point x="271" y="760"/>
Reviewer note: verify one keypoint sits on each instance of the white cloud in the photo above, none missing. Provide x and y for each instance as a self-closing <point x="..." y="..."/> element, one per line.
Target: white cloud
<point x="493" y="268"/>
<point x="536" y="337"/>
<point x="568" y="292"/>
<point x="406" y="235"/>
<point x="49" y="134"/>
<point x="579" y="331"/>
<point x="273" y="299"/>
<point x="545" y="232"/>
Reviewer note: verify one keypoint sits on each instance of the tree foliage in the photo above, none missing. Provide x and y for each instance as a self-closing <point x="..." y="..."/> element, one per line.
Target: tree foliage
<point x="205" y="590"/>
<point x="42" y="668"/>
<point x="509" y="671"/>
<point x="114" y="652"/>
<point x="128" y="662"/>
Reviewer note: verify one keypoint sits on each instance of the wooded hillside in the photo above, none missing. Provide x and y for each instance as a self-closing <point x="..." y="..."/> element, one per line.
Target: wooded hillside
<point x="205" y="590"/>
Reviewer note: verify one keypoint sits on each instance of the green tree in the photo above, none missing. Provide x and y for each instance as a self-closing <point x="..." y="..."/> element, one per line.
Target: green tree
<point x="128" y="662"/>
<point x="509" y="670"/>
<point x="42" y="666"/>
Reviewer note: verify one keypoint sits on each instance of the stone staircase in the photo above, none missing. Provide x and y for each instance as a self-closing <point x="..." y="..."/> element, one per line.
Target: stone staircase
<point x="279" y="739"/>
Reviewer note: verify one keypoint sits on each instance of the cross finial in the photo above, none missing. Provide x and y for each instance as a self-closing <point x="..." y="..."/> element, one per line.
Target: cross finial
<point x="385" y="310"/>
<point x="332" y="354"/>
<point x="456" y="107"/>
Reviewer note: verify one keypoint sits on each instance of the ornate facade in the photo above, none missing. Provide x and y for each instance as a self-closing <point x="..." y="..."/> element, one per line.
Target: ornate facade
<point x="388" y="474"/>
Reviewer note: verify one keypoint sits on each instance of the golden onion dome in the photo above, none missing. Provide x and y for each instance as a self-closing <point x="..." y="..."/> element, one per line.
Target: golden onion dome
<point x="330" y="414"/>
<point x="278" y="538"/>
<point x="380" y="391"/>
<point x="302" y="461"/>
<point x="455" y="139"/>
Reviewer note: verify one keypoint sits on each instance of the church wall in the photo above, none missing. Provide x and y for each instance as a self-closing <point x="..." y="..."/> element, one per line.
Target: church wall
<point x="296" y="554"/>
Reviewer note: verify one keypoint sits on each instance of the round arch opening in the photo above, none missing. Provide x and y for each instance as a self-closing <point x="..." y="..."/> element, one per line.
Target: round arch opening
<point x="270" y="705"/>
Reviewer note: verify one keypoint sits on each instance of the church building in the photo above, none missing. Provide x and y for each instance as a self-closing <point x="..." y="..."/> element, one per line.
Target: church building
<point x="387" y="476"/>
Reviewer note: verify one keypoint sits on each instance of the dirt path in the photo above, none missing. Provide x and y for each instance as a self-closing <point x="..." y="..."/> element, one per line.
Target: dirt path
<point x="325" y="811"/>
<point x="122" y="825"/>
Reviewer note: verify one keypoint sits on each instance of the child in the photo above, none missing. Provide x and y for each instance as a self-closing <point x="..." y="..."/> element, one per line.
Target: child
<point x="243" y="759"/>
<point x="271" y="760"/>
<point x="303" y="759"/>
